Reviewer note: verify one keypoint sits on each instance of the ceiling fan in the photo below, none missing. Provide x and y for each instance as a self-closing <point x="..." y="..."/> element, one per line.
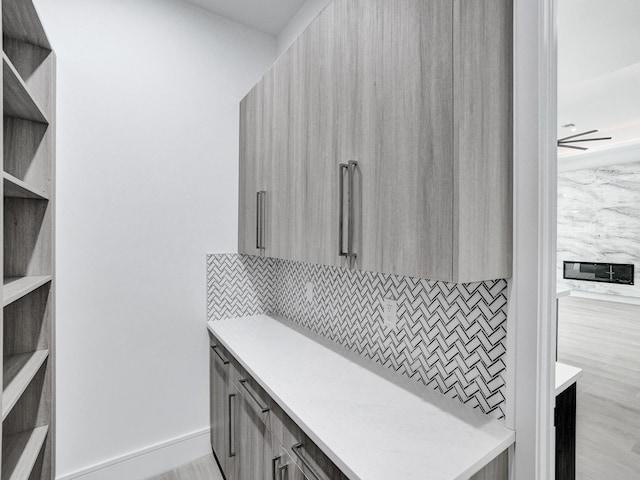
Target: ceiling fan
<point x="564" y="142"/>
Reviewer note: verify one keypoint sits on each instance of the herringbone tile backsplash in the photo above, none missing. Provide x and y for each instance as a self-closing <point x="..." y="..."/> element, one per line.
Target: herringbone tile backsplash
<point x="450" y="337"/>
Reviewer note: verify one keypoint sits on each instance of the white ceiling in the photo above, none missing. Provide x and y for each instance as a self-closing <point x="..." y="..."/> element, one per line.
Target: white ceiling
<point x="599" y="70"/>
<point x="268" y="16"/>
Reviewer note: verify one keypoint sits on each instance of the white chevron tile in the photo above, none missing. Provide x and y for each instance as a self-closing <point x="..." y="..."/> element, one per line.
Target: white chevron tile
<point x="449" y="337"/>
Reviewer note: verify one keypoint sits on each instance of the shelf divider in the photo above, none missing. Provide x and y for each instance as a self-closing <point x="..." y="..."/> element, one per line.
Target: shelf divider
<point x="18" y="371"/>
<point x="17" y="99"/>
<point x="17" y="287"/>
<point x="20" y="453"/>
<point x="16" y="188"/>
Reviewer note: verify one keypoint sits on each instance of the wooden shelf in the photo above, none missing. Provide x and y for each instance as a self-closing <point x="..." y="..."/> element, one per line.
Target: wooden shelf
<point x="17" y="99"/>
<point x="16" y="188"/>
<point x="20" y="21"/>
<point x="18" y="371"/>
<point x="17" y="287"/>
<point x="28" y="179"/>
<point x="20" y="452"/>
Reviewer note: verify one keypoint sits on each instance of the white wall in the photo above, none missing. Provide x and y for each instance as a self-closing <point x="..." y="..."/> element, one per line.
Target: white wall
<point x="148" y="94"/>
<point x="307" y="13"/>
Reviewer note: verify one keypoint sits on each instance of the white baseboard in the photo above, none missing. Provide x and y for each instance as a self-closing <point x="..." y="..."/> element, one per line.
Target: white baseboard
<point x="150" y="461"/>
<point x="605" y="297"/>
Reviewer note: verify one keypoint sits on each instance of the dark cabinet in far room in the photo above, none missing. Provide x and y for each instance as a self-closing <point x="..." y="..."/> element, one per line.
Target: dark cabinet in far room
<point x="565" y="423"/>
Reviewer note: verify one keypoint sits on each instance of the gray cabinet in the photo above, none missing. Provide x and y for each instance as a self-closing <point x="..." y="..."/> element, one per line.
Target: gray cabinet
<point x="251" y="436"/>
<point x="254" y="439"/>
<point x="419" y="95"/>
<point x="405" y="148"/>
<point x="224" y="402"/>
<point x="256" y="448"/>
<point x="253" y="155"/>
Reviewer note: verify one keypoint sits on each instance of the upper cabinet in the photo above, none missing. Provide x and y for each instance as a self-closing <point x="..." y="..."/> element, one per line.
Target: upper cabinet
<point x="382" y="140"/>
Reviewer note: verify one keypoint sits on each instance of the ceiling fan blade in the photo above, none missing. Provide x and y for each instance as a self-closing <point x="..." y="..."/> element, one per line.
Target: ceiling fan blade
<point x="560" y="145"/>
<point x="585" y="140"/>
<point x="578" y="135"/>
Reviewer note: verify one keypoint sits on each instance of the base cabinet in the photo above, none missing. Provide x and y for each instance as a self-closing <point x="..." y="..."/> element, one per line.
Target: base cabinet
<point x="256" y="450"/>
<point x="254" y="439"/>
<point x="222" y="406"/>
<point x="251" y="436"/>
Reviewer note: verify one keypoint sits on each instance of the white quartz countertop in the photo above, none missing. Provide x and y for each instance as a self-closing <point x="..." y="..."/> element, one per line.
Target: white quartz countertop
<point x="371" y="424"/>
<point x="566" y="375"/>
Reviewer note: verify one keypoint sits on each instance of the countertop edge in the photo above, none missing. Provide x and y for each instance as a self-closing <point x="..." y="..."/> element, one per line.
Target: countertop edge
<point x="488" y="458"/>
<point x="575" y="375"/>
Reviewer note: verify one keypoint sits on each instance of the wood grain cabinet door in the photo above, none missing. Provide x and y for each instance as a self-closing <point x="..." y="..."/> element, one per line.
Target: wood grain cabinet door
<point x="255" y="441"/>
<point x="371" y="82"/>
<point x="482" y="139"/>
<point x="326" y="52"/>
<point x="249" y="173"/>
<point x="219" y="405"/>
<point x="255" y="158"/>
<point x="313" y="116"/>
<point x="430" y="127"/>
<point x="404" y="138"/>
<point x="287" y="167"/>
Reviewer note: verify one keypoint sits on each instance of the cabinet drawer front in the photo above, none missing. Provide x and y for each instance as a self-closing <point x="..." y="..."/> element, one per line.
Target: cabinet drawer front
<point x="255" y="443"/>
<point x="256" y="398"/>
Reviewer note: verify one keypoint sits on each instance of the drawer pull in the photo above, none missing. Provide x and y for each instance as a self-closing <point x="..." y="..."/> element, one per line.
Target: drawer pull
<point x="278" y="472"/>
<point x="297" y="449"/>
<point x="343" y="167"/>
<point x="258" y="221"/>
<point x="262" y="408"/>
<point x="260" y="214"/>
<point x="216" y="350"/>
<point x="274" y="467"/>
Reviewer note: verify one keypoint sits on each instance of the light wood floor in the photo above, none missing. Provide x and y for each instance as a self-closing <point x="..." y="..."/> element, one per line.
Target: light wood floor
<point x="603" y="338"/>
<point x="204" y="468"/>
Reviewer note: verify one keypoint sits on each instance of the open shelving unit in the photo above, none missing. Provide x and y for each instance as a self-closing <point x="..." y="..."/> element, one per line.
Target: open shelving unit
<point x="28" y="267"/>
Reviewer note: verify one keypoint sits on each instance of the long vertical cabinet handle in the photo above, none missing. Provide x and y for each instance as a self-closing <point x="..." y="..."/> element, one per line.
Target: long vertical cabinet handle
<point x="263" y="211"/>
<point x="260" y="214"/>
<point x="351" y="221"/>
<point x="258" y="220"/>
<point x="343" y="167"/>
<point x="350" y="169"/>
<point x="232" y="433"/>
